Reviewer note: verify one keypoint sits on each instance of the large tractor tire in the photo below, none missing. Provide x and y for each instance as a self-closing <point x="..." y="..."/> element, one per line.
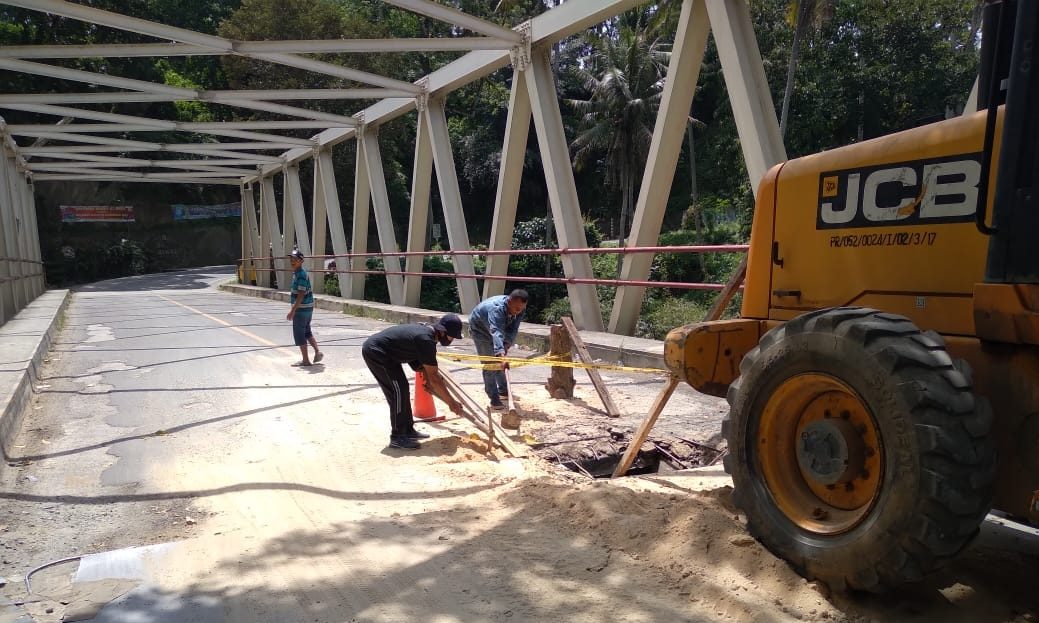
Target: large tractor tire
<point x="857" y="448"/>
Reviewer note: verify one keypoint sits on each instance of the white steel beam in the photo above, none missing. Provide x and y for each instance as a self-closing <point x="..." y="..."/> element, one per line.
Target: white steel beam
<point x="359" y="229"/>
<point x="383" y="217"/>
<point x="683" y="72"/>
<point x="266" y="246"/>
<point x="333" y="213"/>
<point x="749" y="94"/>
<point x="178" y="93"/>
<point x="63" y="177"/>
<point x="78" y="75"/>
<point x="8" y="305"/>
<point x="269" y="205"/>
<point x="457" y="18"/>
<point x="29" y="129"/>
<point x="314" y="46"/>
<point x="451" y="201"/>
<point x="562" y="190"/>
<point x="121" y="142"/>
<point x="59" y="151"/>
<point x="124" y="97"/>
<point x="319" y="218"/>
<point x="114" y="161"/>
<point x="295" y="230"/>
<point x="9" y="222"/>
<point x="561" y="21"/>
<point x="85" y="167"/>
<point x="338" y="71"/>
<point x="218" y="44"/>
<point x="40" y="285"/>
<point x="418" y="221"/>
<point x="126" y="123"/>
<point x="510" y="175"/>
<point x="288" y="228"/>
<point x="15" y="182"/>
<point x="250" y="235"/>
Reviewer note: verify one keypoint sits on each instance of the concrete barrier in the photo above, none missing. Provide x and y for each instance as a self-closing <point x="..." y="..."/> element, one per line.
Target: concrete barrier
<point x="24" y="341"/>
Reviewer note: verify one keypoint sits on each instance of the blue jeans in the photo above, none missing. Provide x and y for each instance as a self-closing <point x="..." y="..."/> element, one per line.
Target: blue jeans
<point x="493" y="380"/>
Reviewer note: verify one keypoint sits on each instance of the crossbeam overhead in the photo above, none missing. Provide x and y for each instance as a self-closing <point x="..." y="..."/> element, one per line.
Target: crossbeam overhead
<point x="218" y="44"/>
<point x="217" y="97"/>
<point x="332" y="46"/>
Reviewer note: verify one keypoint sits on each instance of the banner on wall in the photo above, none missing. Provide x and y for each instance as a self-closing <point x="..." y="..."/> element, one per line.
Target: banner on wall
<point x="190" y="212"/>
<point x="97" y="214"/>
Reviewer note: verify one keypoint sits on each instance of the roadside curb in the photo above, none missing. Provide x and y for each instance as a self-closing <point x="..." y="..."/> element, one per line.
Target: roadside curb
<point x="24" y="342"/>
<point x="626" y="350"/>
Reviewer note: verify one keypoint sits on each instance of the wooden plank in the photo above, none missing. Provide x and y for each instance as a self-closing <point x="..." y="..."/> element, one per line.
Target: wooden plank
<point x="475" y="415"/>
<point x="645" y="427"/>
<point x="586" y="357"/>
<point x="726" y="294"/>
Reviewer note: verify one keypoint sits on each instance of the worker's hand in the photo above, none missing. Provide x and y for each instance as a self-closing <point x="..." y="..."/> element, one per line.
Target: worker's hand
<point x="456" y="408"/>
<point x="290" y="315"/>
<point x="505" y="365"/>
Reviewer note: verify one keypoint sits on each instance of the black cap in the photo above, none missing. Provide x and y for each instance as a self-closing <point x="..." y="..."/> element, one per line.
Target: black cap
<point x="297" y="254"/>
<point x="451" y="325"/>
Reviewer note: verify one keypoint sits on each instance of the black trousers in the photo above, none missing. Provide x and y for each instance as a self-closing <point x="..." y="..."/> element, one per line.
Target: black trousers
<point x="390" y="377"/>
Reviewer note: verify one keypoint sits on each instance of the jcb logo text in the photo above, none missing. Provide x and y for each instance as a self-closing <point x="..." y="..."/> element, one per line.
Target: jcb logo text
<point x="942" y="190"/>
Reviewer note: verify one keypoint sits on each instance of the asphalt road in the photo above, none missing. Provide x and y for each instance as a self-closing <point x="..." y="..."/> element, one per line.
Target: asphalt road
<point x="172" y="443"/>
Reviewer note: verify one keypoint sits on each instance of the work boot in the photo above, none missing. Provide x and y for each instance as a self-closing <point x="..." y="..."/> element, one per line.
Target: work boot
<point x="404" y="443"/>
<point x="415" y="434"/>
<point x="496" y="405"/>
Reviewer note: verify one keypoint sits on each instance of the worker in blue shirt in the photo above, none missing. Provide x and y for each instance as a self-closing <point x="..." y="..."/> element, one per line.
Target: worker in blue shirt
<point x="493" y="325"/>
<point x="301" y="295"/>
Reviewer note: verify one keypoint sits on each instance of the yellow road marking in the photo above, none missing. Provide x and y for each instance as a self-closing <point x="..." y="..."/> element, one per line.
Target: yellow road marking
<point x="218" y="320"/>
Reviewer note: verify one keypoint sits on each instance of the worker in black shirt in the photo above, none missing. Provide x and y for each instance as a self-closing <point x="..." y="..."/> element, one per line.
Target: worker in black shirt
<point x="415" y="345"/>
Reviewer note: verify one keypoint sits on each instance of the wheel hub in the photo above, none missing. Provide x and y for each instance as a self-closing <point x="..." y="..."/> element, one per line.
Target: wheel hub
<point x="830" y="451"/>
<point x="818" y="448"/>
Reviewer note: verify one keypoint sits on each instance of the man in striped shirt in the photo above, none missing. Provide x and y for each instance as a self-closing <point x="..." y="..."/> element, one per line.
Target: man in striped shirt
<point x="301" y="295"/>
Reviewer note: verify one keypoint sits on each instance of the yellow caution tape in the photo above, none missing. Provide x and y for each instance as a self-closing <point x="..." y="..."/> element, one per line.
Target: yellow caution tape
<point x="494" y="363"/>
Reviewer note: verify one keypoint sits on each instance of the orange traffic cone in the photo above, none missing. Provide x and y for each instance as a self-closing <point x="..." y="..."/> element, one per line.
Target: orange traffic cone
<point x="423" y="407"/>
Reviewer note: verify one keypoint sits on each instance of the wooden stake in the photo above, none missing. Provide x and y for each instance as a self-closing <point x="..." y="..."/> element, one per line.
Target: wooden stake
<point x="645" y="427"/>
<point x="733" y="284"/>
<point x="561" y="382"/>
<point x="714" y="313"/>
<point x="586" y="357"/>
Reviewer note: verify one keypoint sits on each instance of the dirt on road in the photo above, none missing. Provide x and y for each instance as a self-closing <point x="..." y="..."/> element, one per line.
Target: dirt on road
<point x="286" y="513"/>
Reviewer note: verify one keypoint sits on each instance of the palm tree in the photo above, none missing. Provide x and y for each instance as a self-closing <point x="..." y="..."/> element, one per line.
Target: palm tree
<point x="624" y="78"/>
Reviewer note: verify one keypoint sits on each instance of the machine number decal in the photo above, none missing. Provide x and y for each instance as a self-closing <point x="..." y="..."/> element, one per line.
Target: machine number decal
<point x="893" y="239"/>
<point x="940" y="190"/>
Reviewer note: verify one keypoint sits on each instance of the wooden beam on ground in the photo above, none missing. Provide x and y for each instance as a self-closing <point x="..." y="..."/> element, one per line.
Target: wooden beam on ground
<point x="473" y="413"/>
<point x="586" y="357"/>
<point x="645" y="427"/>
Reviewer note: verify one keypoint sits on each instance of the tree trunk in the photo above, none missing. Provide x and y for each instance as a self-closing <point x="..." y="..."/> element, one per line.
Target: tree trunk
<point x="694" y="193"/>
<point x="799" y="27"/>
<point x="626" y="190"/>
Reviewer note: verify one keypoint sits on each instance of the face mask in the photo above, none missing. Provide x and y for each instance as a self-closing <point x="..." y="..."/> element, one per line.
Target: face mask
<point x="445" y="339"/>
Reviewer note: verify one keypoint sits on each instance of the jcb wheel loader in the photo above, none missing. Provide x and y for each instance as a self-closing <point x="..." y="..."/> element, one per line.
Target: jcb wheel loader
<point x="883" y="378"/>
